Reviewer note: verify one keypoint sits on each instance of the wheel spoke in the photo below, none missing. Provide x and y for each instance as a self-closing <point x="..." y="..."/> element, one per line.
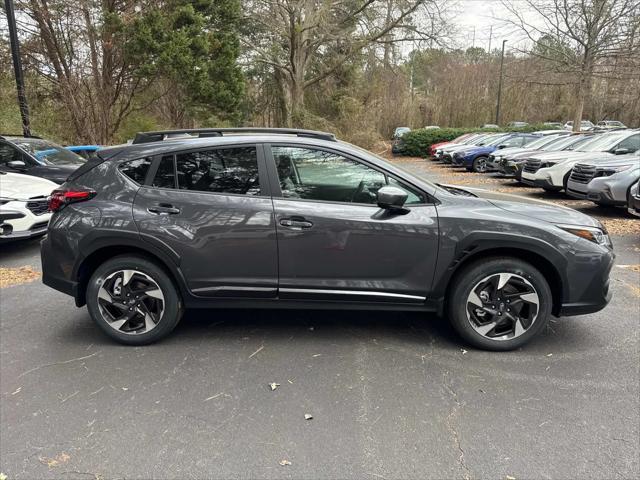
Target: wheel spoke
<point x="117" y="324"/>
<point x="148" y="322"/>
<point x="105" y="295"/>
<point x="155" y="293"/>
<point x="504" y="278"/>
<point x="518" y="328"/>
<point x="486" y="328"/>
<point x="127" y="275"/>
<point x="474" y="299"/>
<point x="531" y="298"/>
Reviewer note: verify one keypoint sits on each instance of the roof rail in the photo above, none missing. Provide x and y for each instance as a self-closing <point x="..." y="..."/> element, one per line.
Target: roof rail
<point x="160" y="135"/>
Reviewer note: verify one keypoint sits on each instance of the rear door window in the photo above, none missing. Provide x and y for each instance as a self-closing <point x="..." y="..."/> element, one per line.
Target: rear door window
<point x="136" y="170"/>
<point x="232" y="170"/>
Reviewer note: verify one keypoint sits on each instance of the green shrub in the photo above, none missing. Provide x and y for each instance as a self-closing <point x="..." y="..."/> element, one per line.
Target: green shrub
<point x="416" y="143"/>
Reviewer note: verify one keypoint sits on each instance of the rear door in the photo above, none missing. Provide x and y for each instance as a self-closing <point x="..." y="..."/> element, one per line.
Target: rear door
<point x="212" y="206"/>
<point x="335" y="243"/>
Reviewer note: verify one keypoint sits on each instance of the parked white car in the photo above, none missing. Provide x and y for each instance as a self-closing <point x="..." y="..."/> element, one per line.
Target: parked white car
<point x="552" y="172"/>
<point x="585" y="125"/>
<point x="28" y="196"/>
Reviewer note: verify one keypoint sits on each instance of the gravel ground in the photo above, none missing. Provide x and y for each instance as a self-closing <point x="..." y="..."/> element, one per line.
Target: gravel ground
<point x="392" y="395"/>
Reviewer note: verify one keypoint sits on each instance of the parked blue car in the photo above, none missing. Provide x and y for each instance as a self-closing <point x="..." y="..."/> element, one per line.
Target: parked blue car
<point x="85" y="151"/>
<point x="475" y="158"/>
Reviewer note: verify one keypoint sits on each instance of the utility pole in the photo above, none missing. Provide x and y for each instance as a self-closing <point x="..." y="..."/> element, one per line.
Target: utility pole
<point x="17" y="67"/>
<point x="490" y="35"/>
<point x="500" y="84"/>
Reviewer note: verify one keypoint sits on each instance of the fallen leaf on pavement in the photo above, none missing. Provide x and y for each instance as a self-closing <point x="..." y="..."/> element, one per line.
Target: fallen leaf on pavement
<point x="308" y="416"/>
<point x="274" y="385"/>
<point x="55" y="461"/>
<point x="284" y="462"/>
<point x="17" y="276"/>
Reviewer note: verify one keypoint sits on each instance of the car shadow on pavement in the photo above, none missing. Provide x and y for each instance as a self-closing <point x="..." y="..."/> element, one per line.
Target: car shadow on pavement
<point x="412" y="330"/>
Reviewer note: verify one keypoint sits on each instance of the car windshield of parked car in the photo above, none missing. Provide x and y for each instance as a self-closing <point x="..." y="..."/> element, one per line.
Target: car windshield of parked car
<point x="497" y="141"/>
<point x="574" y="142"/>
<point x="541" y="142"/>
<point x="48" y="153"/>
<point x="400" y="131"/>
<point x="601" y="143"/>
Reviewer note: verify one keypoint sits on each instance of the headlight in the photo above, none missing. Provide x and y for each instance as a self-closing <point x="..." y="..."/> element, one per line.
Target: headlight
<point x="593" y="234"/>
<point x="608" y="171"/>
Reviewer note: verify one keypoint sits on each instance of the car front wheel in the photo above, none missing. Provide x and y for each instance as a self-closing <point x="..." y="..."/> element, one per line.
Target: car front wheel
<point x="133" y="300"/>
<point x="480" y="165"/>
<point x="499" y="304"/>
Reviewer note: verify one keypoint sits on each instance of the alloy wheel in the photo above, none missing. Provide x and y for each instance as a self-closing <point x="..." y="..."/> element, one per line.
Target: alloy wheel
<point x="131" y="302"/>
<point x="502" y="306"/>
<point x="481" y="165"/>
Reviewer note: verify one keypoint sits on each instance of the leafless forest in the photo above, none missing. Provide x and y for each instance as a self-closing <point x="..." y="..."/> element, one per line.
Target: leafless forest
<point x="99" y="70"/>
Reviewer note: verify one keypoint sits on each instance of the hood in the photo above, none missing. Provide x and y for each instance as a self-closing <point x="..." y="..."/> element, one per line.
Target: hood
<point x="614" y="160"/>
<point x="17" y="185"/>
<point x="511" y="151"/>
<point x="474" y="150"/>
<point x="454" y="147"/>
<point x="538" y="209"/>
<point x="556" y="157"/>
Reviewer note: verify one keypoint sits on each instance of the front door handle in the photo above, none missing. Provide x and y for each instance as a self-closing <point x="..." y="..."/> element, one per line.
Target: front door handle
<point x="296" y="223"/>
<point x="163" y="209"/>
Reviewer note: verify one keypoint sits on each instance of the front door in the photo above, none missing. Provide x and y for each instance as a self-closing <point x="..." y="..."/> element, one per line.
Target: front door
<point x="212" y="208"/>
<point x="335" y="243"/>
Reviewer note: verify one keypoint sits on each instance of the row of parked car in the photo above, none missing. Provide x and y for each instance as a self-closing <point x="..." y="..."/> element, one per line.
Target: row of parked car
<point x="603" y="167"/>
<point x="30" y="169"/>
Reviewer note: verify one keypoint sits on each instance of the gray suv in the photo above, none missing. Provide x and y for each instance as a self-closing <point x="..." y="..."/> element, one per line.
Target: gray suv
<point x="268" y="218"/>
<point x="605" y="181"/>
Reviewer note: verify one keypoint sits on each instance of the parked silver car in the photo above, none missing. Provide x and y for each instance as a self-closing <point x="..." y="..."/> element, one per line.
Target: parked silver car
<point x="605" y="181"/>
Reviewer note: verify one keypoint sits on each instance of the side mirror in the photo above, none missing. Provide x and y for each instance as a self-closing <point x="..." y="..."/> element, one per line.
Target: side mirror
<point x="391" y="198"/>
<point x="621" y="151"/>
<point x="501" y="146"/>
<point x="17" y="165"/>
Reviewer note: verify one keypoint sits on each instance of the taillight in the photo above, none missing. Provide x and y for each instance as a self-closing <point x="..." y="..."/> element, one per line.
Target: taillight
<point x="61" y="198"/>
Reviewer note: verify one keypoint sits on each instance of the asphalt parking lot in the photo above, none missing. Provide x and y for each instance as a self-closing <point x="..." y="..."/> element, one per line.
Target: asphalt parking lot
<point x="392" y="395"/>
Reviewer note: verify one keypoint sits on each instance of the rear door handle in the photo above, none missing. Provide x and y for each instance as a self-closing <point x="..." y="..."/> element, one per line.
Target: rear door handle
<point x="296" y="223"/>
<point x="163" y="209"/>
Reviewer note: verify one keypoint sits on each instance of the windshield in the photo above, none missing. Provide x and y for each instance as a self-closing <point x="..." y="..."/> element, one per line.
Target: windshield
<point x="541" y="142"/>
<point x="497" y="141"/>
<point x="471" y="139"/>
<point x="48" y="153"/>
<point x="485" y="140"/>
<point x="573" y="142"/>
<point x="401" y="131"/>
<point x="601" y="143"/>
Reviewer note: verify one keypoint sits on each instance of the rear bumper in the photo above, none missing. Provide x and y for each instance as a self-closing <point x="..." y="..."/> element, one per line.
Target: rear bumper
<point x="52" y="274"/>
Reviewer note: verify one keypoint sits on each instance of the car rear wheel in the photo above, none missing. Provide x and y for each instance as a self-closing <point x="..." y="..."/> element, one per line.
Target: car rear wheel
<point x="133" y="300"/>
<point x="480" y="165"/>
<point x="499" y="304"/>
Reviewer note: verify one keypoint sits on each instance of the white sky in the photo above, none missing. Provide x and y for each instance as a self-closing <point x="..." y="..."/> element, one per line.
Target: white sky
<point x="483" y="15"/>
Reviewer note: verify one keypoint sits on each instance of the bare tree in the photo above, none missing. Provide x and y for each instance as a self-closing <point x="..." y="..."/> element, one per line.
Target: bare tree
<point x="305" y="41"/>
<point x="581" y="40"/>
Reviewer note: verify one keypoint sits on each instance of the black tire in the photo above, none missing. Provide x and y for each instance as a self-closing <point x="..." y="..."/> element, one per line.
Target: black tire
<point x="480" y="164"/>
<point x="471" y="276"/>
<point x="172" y="302"/>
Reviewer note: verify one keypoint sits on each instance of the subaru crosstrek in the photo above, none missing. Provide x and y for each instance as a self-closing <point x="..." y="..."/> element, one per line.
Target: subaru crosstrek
<point x="294" y="218"/>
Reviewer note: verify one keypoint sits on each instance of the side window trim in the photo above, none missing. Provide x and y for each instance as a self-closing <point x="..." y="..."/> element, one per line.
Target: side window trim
<point x="275" y="183"/>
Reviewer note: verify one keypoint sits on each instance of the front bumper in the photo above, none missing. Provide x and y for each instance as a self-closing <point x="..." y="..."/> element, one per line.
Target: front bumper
<point x="24" y="234"/>
<point x="588" y="285"/>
